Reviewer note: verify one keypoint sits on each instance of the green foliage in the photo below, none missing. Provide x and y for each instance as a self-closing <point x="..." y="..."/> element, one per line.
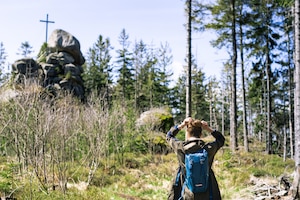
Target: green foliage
<point x="97" y="74"/>
<point x="179" y="101"/>
<point x="258" y="172"/>
<point x="7" y="176"/>
<point x="181" y="135"/>
<point x="200" y="105"/>
<point x="41" y="57"/>
<point x="139" y="143"/>
<point x="167" y="122"/>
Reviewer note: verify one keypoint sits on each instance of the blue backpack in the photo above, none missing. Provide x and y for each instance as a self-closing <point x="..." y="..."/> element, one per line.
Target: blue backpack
<point x="197" y="171"/>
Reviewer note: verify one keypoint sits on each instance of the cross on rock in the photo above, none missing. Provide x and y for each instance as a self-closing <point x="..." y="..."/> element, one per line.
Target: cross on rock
<point x="47" y="22"/>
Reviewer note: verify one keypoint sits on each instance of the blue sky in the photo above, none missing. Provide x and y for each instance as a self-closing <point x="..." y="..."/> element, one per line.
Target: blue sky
<point x="153" y="21"/>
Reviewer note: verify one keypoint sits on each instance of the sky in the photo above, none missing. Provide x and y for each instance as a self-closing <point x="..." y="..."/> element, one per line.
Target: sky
<point x="152" y="21"/>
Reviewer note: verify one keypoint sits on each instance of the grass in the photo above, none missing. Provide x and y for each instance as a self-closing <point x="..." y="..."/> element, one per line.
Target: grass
<point x="147" y="176"/>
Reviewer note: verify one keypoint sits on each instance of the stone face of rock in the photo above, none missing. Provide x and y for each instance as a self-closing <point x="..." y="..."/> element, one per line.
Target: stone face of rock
<point x="62" y="41"/>
<point x="26" y="69"/>
<point x="25" y="65"/>
<point x="59" y="58"/>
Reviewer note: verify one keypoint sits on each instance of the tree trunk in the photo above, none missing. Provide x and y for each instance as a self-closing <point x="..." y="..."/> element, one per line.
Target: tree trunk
<point x="245" y="123"/>
<point x="268" y="72"/>
<point x="223" y="112"/>
<point x="233" y="109"/>
<point x="189" y="59"/>
<point x="284" y="143"/>
<point x="210" y="104"/>
<point x="291" y="85"/>
<point x="269" y="134"/>
<point x="291" y="127"/>
<point x="295" y="190"/>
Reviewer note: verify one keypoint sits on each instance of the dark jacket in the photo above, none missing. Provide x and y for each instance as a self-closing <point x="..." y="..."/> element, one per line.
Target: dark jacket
<point x="190" y="146"/>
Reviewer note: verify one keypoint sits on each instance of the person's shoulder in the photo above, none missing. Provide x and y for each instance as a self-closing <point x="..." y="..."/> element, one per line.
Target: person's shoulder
<point x="193" y="145"/>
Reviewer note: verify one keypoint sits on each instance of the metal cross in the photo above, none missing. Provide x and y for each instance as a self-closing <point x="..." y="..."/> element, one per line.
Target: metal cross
<point x="46" y="21"/>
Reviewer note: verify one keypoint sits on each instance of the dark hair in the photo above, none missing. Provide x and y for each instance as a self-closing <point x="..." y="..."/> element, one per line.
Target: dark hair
<point x="194" y="128"/>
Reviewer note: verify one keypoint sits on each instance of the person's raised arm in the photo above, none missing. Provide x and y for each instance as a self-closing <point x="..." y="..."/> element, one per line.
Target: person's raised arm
<point x="174" y="130"/>
<point x="206" y="127"/>
<point x="220" y="139"/>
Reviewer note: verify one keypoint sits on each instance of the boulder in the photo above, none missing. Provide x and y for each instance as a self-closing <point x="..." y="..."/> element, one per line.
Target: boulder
<point x="62" y="41"/>
<point x="26" y="66"/>
<point x="27" y="69"/>
<point x="157" y="119"/>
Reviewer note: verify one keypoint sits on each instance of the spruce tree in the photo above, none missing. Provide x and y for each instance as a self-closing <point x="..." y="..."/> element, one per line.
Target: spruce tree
<point x="139" y="60"/>
<point x="3" y="56"/>
<point x="164" y="60"/>
<point x="125" y="81"/>
<point x="97" y="76"/>
<point x="200" y="106"/>
<point x="25" y="49"/>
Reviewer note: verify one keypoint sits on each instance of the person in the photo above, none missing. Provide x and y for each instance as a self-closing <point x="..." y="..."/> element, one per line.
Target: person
<point x="191" y="144"/>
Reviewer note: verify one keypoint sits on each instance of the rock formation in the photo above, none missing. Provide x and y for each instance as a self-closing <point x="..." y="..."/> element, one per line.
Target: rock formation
<point x="58" y="68"/>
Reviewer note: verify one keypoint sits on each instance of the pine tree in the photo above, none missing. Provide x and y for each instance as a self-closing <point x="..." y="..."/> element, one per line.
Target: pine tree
<point x="242" y="19"/>
<point x="224" y="23"/>
<point x="188" y="86"/>
<point x="264" y="45"/>
<point x="286" y="47"/>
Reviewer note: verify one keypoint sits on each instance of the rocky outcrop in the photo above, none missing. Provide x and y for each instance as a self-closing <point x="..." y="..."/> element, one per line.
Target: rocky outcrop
<point x="59" y="69"/>
<point x="27" y="70"/>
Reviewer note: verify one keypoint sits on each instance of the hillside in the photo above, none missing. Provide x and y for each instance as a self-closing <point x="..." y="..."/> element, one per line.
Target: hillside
<point x="241" y="175"/>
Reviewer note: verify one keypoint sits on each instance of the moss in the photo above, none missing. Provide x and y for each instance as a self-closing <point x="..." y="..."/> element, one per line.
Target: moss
<point x="167" y="122"/>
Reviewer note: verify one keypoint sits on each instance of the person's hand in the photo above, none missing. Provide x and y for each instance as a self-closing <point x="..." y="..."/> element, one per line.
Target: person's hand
<point x="205" y="126"/>
<point x="185" y="122"/>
